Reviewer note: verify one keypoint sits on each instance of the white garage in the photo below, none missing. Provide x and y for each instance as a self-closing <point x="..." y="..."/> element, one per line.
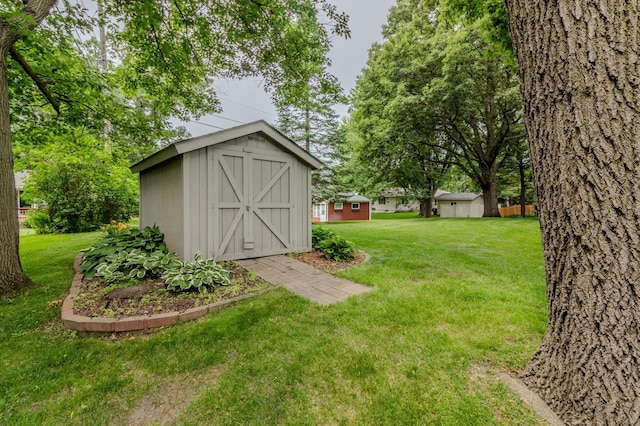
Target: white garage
<point x="462" y="204"/>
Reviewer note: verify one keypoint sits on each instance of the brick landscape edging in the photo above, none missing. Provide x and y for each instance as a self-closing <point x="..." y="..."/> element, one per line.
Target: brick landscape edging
<point x="112" y="325"/>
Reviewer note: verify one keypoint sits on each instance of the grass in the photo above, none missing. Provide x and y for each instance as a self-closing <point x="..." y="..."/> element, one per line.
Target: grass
<point x="27" y="231"/>
<point x="456" y="300"/>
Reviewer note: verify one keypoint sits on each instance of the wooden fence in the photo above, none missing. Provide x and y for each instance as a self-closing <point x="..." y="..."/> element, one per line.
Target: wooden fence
<point x="529" y="210"/>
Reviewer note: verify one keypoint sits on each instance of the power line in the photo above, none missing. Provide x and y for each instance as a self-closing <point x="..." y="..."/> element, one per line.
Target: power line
<point x="225" y="118"/>
<point x="247" y="106"/>
<point x="206" y="124"/>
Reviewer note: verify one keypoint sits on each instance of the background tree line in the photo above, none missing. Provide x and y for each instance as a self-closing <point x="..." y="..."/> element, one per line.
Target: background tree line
<point x="437" y="99"/>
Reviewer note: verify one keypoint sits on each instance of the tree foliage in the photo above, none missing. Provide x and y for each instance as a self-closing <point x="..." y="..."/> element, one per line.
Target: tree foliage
<point x="435" y="95"/>
<point x="397" y="140"/>
<point x="80" y="186"/>
<point x="305" y="102"/>
<point x="164" y="56"/>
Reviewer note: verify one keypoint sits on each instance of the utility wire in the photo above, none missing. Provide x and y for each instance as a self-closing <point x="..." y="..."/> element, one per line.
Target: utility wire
<point x="206" y="124"/>
<point x="225" y="118"/>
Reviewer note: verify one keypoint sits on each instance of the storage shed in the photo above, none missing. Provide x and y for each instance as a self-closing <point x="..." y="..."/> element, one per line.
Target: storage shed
<point x="462" y="204"/>
<point x="239" y="193"/>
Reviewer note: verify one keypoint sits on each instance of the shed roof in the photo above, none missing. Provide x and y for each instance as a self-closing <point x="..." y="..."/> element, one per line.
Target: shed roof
<point x="459" y="196"/>
<point x="214" y="138"/>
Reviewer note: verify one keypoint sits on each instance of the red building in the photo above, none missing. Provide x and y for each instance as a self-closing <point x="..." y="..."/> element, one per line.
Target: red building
<point x="345" y="207"/>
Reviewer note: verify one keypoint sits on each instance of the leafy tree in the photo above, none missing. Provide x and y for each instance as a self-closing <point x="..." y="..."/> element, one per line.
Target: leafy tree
<point x="435" y="95"/>
<point x="305" y="98"/>
<point x="477" y="107"/>
<point x="171" y="51"/>
<point x="579" y="76"/>
<point x="397" y="140"/>
<point x="81" y="187"/>
<point x="337" y="175"/>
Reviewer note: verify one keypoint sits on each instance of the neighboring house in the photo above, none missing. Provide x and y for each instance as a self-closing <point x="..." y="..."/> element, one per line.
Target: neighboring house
<point x="397" y="200"/>
<point x="344" y="207"/>
<point x="465" y="204"/>
<point x="238" y="193"/>
<point x="19" y="179"/>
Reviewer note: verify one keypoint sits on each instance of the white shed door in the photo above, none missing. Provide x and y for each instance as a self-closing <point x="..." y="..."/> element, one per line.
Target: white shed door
<point x="252" y="206"/>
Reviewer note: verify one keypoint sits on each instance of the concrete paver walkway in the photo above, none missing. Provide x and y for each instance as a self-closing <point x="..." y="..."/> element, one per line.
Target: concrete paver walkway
<point x="303" y="279"/>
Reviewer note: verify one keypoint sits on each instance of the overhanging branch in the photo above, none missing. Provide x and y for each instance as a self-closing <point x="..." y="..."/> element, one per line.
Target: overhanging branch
<point x="16" y="56"/>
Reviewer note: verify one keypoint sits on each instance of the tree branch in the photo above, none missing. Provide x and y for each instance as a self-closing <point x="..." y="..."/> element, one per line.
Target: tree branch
<point x="16" y="56"/>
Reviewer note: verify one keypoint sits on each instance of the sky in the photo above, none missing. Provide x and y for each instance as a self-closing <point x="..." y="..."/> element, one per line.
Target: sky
<point x="245" y="101"/>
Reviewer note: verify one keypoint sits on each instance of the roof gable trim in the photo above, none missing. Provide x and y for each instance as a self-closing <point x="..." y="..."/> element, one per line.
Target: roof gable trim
<point x="210" y="139"/>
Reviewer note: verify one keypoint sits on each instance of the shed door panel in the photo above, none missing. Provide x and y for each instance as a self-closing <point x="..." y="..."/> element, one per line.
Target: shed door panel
<point x="252" y="205"/>
<point x="271" y="202"/>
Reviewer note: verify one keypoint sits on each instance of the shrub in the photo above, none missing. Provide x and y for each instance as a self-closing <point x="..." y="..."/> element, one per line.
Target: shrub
<point x="82" y="190"/>
<point x="337" y="248"/>
<point x="202" y="275"/>
<point x="39" y="220"/>
<point x="318" y="235"/>
<point x="148" y="240"/>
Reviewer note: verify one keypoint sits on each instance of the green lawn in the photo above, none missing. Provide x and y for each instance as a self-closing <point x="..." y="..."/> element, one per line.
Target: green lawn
<point x="456" y="301"/>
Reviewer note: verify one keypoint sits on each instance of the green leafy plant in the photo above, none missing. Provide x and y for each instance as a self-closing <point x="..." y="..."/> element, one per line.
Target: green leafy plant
<point x="202" y="275"/>
<point x="135" y="264"/>
<point x="82" y="188"/>
<point x="148" y="240"/>
<point x="337" y="248"/>
<point x="318" y="235"/>
<point x="38" y="219"/>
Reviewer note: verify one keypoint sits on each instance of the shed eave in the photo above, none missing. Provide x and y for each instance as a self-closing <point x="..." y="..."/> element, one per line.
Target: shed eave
<point x="210" y="139"/>
<point x="155" y="159"/>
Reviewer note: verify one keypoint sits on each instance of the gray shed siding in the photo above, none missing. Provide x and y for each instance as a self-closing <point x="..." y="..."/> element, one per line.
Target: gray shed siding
<point x="242" y="198"/>
<point x="161" y="201"/>
<point x="196" y="202"/>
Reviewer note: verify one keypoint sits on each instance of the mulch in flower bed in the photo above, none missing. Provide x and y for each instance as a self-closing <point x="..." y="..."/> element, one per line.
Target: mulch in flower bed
<point x="316" y="258"/>
<point x="98" y="299"/>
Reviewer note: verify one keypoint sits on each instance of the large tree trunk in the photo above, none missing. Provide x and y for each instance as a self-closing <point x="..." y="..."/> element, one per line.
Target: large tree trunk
<point x="580" y="84"/>
<point x="490" y="193"/>
<point x="11" y="275"/>
<point x="425" y="207"/>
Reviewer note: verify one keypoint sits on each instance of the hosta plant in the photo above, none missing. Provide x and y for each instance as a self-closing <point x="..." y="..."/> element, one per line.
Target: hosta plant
<point x="318" y="235"/>
<point x="148" y="240"/>
<point x="337" y="248"/>
<point x="203" y="275"/>
<point x="135" y="264"/>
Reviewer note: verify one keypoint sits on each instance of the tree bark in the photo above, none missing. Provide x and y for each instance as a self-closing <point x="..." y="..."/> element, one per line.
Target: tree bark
<point x="490" y="191"/>
<point x="580" y="85"/>
<point x="425" y="207"/>
<point x="523" y="189"/>
<point x="11" y="275"/>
